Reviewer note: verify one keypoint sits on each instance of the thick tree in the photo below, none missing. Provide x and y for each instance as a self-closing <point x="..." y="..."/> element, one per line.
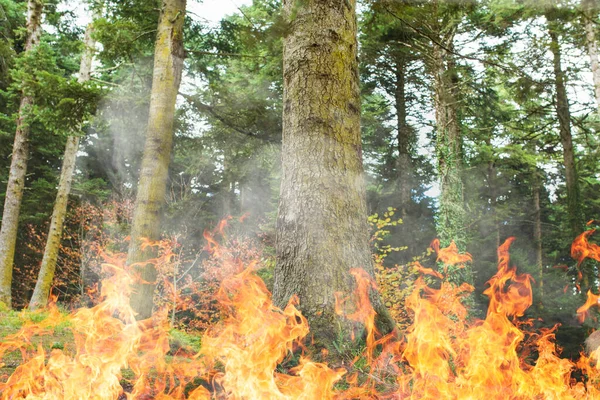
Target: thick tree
<point x="150" y="199"/>
<point x="48" y="267"/>
<point x="322" y="219"/>
<point x="18" y="166"/>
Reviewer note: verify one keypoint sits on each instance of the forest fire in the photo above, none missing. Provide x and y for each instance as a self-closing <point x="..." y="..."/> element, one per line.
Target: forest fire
<point x="316" y="121"/>
<point x="443" y="355"/>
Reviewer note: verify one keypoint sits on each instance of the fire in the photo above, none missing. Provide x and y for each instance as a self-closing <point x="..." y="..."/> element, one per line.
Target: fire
<point x="103" y="342"/>
<point x="445" y="353"/>
<point x="449" y="256"/>
<point x="255" y="338"/>
<point x="582" y="248"/>
<point x="514" y="299"/>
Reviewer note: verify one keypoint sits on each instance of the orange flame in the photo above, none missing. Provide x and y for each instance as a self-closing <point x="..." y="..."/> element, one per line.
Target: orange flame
<point x="591" y="301"/>
<point x="445" y="355"/>
<point x="518" y="296"/>
<point x="363" y="313"/>
<point x="582" y="248"/>
<point x="450" y="255"/>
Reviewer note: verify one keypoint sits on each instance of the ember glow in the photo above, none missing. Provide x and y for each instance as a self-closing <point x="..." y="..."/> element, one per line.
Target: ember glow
<point x="444" y="354"/>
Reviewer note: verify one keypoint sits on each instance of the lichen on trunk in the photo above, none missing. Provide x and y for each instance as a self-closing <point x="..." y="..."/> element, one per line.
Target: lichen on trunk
<point x="49" y="260"/>
<point x="322" y="218"/>
<point x="150" y="199"/>
<point x="18" y="166"/>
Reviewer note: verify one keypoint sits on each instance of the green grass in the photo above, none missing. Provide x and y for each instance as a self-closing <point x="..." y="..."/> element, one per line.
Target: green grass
<point x="60" y="337"/>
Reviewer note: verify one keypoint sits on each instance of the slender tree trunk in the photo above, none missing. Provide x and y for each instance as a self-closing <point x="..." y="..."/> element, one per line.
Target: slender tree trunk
<point x="491" y="171"/>
<point x="404" y="165"/>
<point x="564" y="119"/>
<point x="228" y="196"/>
<point x="322" y="220"/>
<point x="46" y="275"/>
<point x="537" y="237"/>
<point x="589" y="14"/>
<point x="452" y="216"/>
<point x="150" y="200"/>
<point x="18" y="166"/>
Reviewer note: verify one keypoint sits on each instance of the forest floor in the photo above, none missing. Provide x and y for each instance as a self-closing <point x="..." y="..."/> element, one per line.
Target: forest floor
<point x="60" y="337"/>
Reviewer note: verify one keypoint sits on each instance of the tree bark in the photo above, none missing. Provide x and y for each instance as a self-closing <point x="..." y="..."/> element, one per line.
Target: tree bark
<point x="492" y="174"/>
<point x="589" y="14"/>
<point x="404" y="164"/>
<point x="564" y="120"/>
<point x="46" y="275"/>
<point x="322" y="228"/>
<point x="18" y="166"/>
<point x="537" y="237"/>
<point x="150" y="199"/>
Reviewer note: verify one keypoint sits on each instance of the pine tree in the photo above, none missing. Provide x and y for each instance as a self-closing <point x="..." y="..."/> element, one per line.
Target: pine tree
<point x="564" y="119"/>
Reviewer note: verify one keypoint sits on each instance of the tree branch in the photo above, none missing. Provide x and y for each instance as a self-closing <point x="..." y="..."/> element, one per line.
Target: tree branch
<point x="457" y="54"/>
<point x="225" y="54"/>
<point x="224" y="120"/>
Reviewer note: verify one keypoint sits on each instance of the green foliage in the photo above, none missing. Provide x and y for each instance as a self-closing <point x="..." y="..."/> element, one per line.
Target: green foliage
<point x="61" y="103"/>
<point x="395" y="282"/>
<point x="180" y="341"/>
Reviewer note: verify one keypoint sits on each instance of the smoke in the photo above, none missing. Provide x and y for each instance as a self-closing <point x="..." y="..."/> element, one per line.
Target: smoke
<point x="114" y="145"/>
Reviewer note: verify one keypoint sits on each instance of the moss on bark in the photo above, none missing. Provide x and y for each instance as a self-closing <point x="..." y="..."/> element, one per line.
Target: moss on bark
<point x="150" y="199"/>
<point x="322" y="220"/>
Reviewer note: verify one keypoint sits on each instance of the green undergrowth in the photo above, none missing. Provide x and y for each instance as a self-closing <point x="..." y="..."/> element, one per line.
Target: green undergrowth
<point x="60" y="336"/>
<point x="56" y="337"/>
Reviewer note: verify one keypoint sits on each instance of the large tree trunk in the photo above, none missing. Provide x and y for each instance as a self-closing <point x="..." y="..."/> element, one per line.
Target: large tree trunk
<point x="564" y="119"/>
<point x="150" y="200"/>
<point x="589" y="14"/>
<point x="322" y="221"/>
<point x="48" y="267"/>
<point x="404" y="164"/>
<point x="18" y="166"/>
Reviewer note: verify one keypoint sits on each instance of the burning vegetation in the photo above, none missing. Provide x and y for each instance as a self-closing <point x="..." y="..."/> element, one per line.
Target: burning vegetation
<point x="258" y="351"/>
